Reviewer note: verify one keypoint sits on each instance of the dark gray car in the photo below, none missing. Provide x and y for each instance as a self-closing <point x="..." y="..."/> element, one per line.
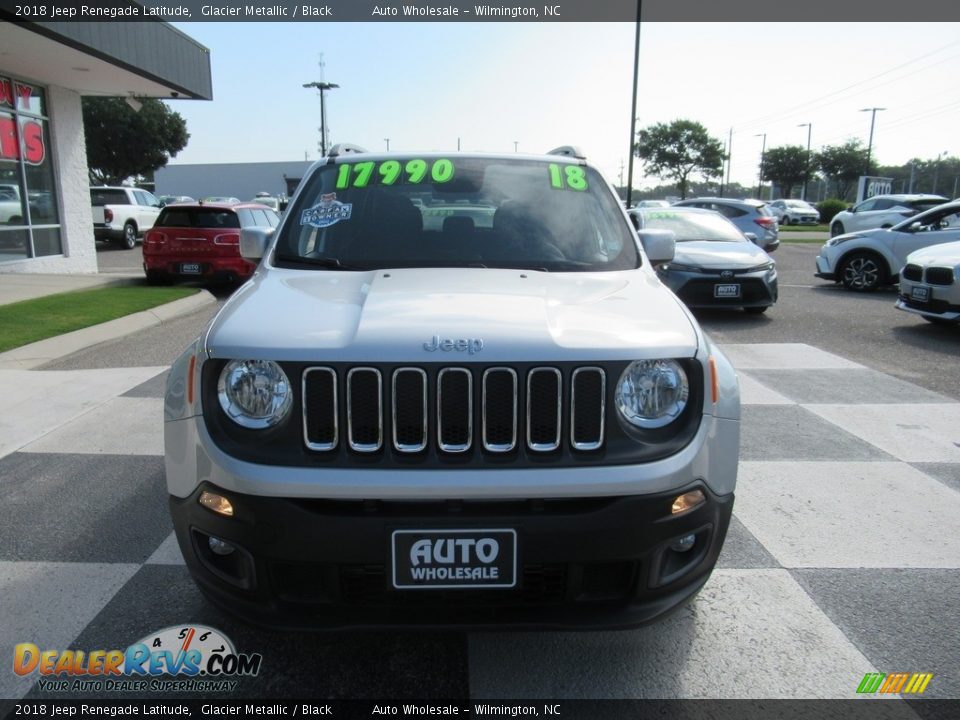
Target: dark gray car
<point x="714" y="265"/>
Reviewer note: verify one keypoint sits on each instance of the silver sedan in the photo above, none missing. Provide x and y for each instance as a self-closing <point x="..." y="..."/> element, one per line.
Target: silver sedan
<point x="715" y="264"/>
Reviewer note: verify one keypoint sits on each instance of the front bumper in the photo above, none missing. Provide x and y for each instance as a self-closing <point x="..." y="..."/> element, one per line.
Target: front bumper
<point x="582" y="563"/>
<point x="943" y="303"/>
<point x="698" y="289"/>
<point x="824" y="269"/>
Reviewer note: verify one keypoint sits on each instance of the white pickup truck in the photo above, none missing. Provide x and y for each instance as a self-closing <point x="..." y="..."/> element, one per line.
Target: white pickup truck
<point x="122" y="214"/>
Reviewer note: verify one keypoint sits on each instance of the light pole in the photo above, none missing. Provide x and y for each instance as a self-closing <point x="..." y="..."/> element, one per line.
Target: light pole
<point x="763" y="153"/>
<point x="515" y="144"/>
<point x="873" y="116"/>
<point x="322" y="87"/>
<point x="387" y="141"/>
<point x="806" y="171"/>
<point x="936" y="171"/>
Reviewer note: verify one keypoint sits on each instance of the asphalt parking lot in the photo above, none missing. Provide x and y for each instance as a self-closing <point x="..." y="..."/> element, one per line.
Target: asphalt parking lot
<point x="842" y="557"/>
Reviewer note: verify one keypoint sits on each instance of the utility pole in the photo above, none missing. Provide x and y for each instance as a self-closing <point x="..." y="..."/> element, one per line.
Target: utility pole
<point x="322" y="87"/>
<point x="806" y="171"/>
<point x="729" y="153"/>
<point x="515" y="143"/>
<point x="458" y="144"/>
<point x="621" y="172"/>
<point x="763" y="156"/>
<point x="387" y="141"/>
<point x="913" y="172"/>
<point x="633" y="104"/>
<point x="936" y="171"/>
<point x="873" y="117"/>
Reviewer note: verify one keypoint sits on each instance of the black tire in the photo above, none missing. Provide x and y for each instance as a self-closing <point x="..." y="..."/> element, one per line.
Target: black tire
<point x="756" y="310"/>
<point x="836" y="229"/>
<point x="786" y="220"/>
<point x="15" y="220"/>
<point x="129" y="239"/>
<point x="864" y="271"/>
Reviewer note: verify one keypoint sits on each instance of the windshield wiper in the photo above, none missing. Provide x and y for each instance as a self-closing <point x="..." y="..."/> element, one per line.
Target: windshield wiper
<point x="324" y="262"/>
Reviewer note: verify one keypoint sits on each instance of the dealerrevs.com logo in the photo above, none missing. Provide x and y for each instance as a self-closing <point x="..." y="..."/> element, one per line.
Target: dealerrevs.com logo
<point x="178" y="658"/>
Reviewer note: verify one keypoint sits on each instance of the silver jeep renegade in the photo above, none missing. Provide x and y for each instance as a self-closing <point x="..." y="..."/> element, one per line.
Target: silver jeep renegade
<point x="453" y="394"/>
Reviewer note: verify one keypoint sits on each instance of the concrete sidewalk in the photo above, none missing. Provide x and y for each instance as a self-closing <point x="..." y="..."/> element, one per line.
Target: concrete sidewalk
<point x="14" y="288"/>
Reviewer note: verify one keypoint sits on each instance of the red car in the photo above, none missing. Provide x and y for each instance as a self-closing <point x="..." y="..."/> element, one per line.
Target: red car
<point x="201" y="241"/>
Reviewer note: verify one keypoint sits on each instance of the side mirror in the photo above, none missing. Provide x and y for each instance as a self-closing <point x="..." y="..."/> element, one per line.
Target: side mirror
<point x="659" y="245"/>
<point x="752" y="237"/>
<point x="254" y="242"/>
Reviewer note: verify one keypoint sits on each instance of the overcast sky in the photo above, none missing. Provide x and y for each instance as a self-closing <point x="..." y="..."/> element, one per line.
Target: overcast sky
<point x="423" y="85"/>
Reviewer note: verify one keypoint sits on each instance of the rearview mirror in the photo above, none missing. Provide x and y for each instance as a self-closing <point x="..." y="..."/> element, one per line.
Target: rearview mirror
<point x="254" y="242"/>
<point x="659" y="245"/>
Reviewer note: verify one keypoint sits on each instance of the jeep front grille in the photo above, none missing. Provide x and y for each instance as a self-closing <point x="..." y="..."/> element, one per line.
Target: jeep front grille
<point x="420" y="407"/>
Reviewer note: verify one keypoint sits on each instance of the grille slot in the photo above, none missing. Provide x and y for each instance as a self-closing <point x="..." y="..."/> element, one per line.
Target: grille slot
<point x="409" y="410"/>
<point x="434" y="409"/>
<point x="940" y="276"/>
<point x="544" y="411"/>
<point x="499" y="409"/>
<point x="912" y="272"/>
<point x="365" y="409"/>
<point x="587" y="407"/>
<point x="320" y="427"/>
<point x="455" y="410"/>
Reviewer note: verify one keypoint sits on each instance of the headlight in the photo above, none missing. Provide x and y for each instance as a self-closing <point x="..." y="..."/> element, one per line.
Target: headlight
<point x="842" y="239"/>
<point x="766" y="266"/>
<point x="679" y="266"/>
<point x="652" y="393"/>
<point x="254" y="393"/>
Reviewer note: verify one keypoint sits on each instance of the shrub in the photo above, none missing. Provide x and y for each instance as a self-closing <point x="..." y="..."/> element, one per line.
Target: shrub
<point x="830" y="207"/>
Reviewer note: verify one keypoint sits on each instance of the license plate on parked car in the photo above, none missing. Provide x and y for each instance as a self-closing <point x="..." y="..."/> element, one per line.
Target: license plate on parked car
<point x="920" y="293"/>
<point x="434" y="559"/>
<point x="726" y="291"/>
<point x="190" y="268"/>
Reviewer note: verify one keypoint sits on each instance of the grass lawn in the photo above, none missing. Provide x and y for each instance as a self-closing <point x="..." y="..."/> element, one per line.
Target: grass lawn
<point x="25" y="322"/>
<point x="786" y="239"/>
<point x="804" y="228"/>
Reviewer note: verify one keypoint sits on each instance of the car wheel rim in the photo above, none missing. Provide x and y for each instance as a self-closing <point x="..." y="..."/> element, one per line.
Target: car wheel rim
<point x="862" y="273"/>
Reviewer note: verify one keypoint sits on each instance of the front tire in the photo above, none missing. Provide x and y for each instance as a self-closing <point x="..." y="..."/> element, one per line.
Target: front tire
<point x="836" y="229"/>
<point x="863" y="272"/>
<point x="786" y="220"/>
<point x="129" y="239"/>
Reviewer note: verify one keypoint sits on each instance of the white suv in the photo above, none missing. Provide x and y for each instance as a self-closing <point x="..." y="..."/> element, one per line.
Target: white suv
<point x="864" y="261"/>
<point x="454" y="392"/>
<point x="881" y="211"/>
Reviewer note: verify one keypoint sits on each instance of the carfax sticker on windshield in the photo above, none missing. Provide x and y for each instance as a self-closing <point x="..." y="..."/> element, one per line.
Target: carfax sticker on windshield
<point x="329" y="211"/>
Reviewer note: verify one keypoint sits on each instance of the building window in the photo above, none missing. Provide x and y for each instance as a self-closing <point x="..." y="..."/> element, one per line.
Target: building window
<point x="29" y="213"/>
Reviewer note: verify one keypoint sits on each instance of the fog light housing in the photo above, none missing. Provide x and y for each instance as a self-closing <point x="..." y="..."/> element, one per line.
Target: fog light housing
<point x="220" y="547"/>
<point x="680" y="545"/>
<point x="687" y="502"/>
<point x="217" y="503"/>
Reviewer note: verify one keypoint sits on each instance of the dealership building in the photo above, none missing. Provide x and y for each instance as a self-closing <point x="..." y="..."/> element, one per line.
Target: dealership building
<point x="45" y="68"/>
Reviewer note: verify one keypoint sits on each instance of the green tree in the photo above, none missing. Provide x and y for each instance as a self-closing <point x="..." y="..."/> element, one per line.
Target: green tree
<point x="678" y="149"/>
<point x="842" y="164"/>
<point x="786" y="166"/>
<point x="122" y="142"/>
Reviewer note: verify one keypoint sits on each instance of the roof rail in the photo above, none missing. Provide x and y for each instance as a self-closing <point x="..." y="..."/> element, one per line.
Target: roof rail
<point x="345" y="149"/>
<point x="569" y="151"/>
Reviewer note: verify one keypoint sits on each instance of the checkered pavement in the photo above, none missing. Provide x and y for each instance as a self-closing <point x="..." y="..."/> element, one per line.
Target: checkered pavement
<point x="842" y="557"/>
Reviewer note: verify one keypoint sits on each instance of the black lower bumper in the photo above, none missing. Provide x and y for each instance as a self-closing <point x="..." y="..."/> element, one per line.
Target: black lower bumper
<point x="582" y="563"/>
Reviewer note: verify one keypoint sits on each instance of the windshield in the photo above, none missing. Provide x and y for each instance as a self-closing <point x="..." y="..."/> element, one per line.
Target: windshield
<point x="433" y="211"/>
<point x="688" y="226"/>
<point x="197" y="217"/>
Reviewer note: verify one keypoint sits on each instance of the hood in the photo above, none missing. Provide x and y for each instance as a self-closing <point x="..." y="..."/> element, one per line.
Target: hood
<point x="397" y="315"/>
<point x="943" y="255"/>
<point x="720" y="255"/>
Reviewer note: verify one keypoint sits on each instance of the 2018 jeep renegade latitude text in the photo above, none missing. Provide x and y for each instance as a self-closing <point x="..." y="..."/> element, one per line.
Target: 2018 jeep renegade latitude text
<point x="453" y="393"/>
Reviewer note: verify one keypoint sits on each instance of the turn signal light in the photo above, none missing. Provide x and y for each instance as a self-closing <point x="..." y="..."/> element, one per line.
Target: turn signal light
<point x="688" y="501"/>
<point x="219" y="504"/>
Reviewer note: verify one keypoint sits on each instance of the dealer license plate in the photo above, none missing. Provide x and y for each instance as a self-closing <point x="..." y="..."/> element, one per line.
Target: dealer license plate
<point x="190" y="268"/>
<point x="726" y="291"/>
<point x="920" y="293"/>
<point x="435" y="559"/>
